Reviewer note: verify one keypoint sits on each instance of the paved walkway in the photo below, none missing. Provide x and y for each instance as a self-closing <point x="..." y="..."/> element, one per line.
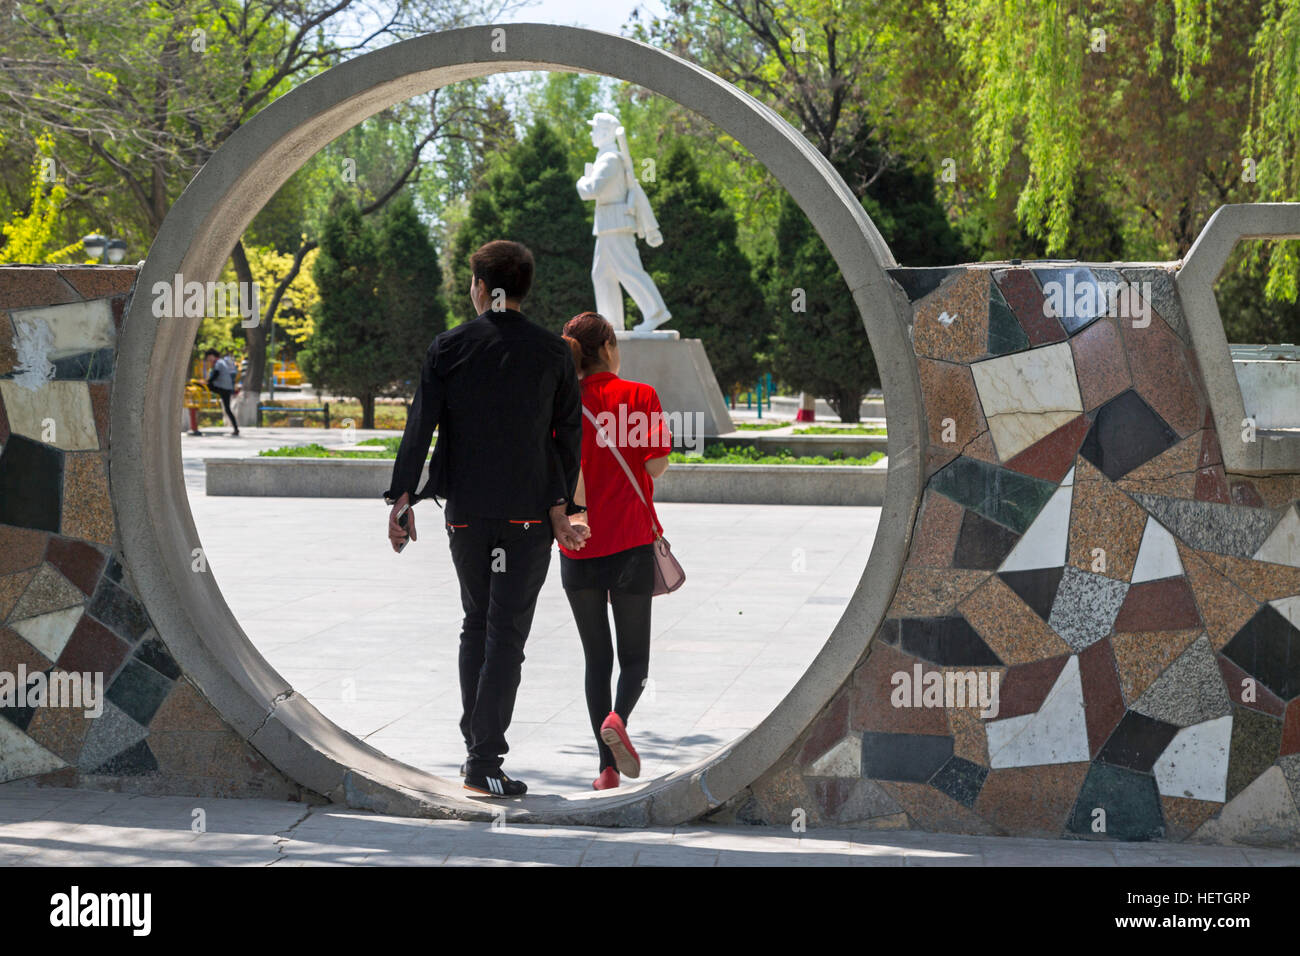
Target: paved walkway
<point x="52" y="827"/>
<point x="370" y="637"/>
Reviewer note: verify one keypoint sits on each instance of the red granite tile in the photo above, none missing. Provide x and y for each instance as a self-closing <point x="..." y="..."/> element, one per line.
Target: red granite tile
<point x="871" y="708"/>
<point x="936" y="459"/>
<point x="1163" y="377"/>
<point x="1224" y="606"/>
<point x="14" y="651"/>
<point x="935" y="811"/>
<point x="100" y="394"/>
<point x="4" y="423"/>
<point x="77" y="561"/>
<point x="936" y="532"/>
<point x="1211" y="454"/>
<point x="983" y="449"/>
<point x="119" y="311"/>
<point x="1023" y="294"/>
<point x="1165" y="605"/>
<point x="1244" y="493"/>
<point x="1031" y="801"/>
<point x="25" y="287"/>
<point x="827" y="729"/>
<point x="93" y="647"/>
<point x="1099" y="363"/>
<point x="1025" y="686"/>
<point x="1212" y="485"/>
<point x="1184" y="816"/>
<point x="23" y="548"/>
<point x="1051" y="457"/>
<point x="953" y="323"/>
<point x="8" y="355"/>
<point x="1237" y="680"/>
<point x="100" y="282"/>
<point x="1103" y="699"/>
<point x="949" y="392"/>
<point x="1291" y="729"/>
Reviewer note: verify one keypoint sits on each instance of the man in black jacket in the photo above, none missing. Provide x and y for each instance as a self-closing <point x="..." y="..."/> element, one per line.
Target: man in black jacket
<point x="504" y="395"/>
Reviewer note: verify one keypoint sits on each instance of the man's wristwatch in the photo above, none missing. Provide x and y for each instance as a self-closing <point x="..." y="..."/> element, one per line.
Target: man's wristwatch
<point x="574" y="509"/>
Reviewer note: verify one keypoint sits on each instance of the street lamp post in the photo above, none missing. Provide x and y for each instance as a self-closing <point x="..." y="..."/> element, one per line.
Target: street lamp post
<point x="100" y="247"/>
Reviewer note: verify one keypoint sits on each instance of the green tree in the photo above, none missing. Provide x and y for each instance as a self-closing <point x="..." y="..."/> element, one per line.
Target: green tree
<point x="379" y="304"/>
<point x="820" y="345"/>
<point x="705" y="278"/>
<point x="528" y="195"/>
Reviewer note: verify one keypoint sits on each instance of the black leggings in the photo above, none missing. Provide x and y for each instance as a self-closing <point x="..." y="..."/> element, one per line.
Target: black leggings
<point x="632" y="627"/>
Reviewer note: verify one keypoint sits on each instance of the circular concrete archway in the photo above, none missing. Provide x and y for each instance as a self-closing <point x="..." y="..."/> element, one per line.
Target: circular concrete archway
<point x="158" y="534"/>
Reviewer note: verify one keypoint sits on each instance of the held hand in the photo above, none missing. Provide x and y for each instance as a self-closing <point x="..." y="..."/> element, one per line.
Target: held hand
<point x="654" y="238"/>
<point x="396" y="533"/>
<point x="572" y="536"/>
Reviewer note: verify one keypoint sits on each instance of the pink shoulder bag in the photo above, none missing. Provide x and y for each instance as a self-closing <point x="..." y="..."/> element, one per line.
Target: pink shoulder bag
<point x="669" y="575"/>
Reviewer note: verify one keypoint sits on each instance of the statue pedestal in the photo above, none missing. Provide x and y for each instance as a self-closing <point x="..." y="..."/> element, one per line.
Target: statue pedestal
<point x="680" y="372"/>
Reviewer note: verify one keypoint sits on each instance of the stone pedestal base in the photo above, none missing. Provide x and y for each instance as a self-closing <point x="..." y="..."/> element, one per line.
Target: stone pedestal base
<point x="680" y="372"/>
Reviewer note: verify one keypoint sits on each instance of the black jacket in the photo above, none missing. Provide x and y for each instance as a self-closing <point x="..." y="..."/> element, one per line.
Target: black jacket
<point x="504" y="395"/>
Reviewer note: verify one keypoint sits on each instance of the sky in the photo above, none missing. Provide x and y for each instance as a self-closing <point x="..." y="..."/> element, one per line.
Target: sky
<point x="605" y="15"/>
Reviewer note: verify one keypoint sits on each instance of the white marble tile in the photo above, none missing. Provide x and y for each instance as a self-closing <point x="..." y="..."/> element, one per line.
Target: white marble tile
<point x="57" y="413"/>
<point x="49" y="633"/>
<point x="842" y="760"/>
<point x="1289" y="608"/>
<point x="1027" y="395"/>
<point x="1195" y="764"/>
<point x="1265" y="805"/>
<point x="20" y="756"/>
<point x="1069" y="478"/>
<point x="1157" y="555"/>
<point x="1056" y="733"/>
<point x="1044" y="542"/>
<point x="75" y="326"/>
<point x="1282" y="546"/>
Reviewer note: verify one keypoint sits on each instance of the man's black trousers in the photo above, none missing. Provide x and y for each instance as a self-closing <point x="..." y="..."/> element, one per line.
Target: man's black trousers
<point x="501" y="565"/>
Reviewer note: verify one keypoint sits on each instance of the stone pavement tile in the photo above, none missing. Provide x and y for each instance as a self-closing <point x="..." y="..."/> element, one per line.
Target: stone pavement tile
<point x="673" y="855"/>
<point x="1163" y="854"/>
<point x="1266" y="857"/>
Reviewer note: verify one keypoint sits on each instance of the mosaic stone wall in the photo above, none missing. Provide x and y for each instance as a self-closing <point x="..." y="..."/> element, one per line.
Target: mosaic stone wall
<point x="67" y="605"/>
<point x="1080" y="539"/>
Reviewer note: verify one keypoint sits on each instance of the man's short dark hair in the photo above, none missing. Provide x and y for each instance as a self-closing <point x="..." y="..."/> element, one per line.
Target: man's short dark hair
<point x="504" y="265"/>
<point x="211" y="352"/>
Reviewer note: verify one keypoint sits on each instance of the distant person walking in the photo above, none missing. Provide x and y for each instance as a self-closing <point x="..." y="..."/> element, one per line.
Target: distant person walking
<point x="504" y="395"/>
<point x="615" y="570"/>
<point x="221" y="379"/>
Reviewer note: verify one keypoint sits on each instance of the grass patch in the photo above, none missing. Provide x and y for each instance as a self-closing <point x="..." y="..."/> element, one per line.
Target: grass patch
<point x="721" y="455"/>
<point x="758" y="426"/>
<point x="386" y="448"/>
<point x="841" y="430"/>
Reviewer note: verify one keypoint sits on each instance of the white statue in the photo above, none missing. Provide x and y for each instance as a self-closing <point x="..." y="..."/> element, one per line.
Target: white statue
<point x="622" y="213"/>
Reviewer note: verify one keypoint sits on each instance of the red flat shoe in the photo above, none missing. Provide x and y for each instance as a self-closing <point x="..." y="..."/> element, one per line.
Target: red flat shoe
<point x="614" y="733"/>
<point x="607" y="780"/>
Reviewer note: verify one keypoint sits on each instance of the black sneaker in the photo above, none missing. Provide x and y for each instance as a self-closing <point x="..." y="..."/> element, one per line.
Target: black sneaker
<point x="497" y="785"/>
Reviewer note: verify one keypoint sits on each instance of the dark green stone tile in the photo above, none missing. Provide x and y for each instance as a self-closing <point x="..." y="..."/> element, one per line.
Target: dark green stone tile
<point x="1131" y="802"/>
<point x="1005" y="332"/>
<point x="1002" y="495"/>
<point x="1256" y="741"/>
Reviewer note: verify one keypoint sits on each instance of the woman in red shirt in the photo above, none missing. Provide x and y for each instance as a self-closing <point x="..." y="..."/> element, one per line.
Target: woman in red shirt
<point x="615" y="569"/>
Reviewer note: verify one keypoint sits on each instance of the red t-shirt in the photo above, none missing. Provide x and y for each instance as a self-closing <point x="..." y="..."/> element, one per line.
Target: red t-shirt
<point x="633" y="421"/>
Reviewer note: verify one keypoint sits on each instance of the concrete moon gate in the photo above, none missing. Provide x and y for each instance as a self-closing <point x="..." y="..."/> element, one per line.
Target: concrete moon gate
<point x="148" y="489"/>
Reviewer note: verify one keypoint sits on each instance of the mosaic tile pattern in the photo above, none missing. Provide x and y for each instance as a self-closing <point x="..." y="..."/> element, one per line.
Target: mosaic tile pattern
<point x="67" y="605"/>
<point x="1139" y="606"/>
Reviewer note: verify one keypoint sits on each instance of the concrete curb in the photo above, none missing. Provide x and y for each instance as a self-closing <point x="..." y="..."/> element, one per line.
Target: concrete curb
<point x="713" y="484"/>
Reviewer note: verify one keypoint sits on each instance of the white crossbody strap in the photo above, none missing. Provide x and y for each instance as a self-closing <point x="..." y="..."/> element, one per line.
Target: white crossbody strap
<point x="619" y="458"/>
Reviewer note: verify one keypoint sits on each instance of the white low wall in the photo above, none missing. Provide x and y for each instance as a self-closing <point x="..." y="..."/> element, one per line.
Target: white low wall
<point x="1270" y="390"/>
<point x="717" y="484"/>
